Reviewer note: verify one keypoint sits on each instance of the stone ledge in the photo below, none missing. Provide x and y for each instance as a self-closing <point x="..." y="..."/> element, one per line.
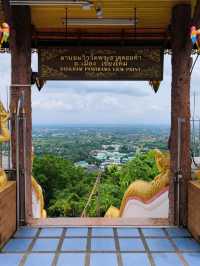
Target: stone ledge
<point x="7" y="211"/>
<point x="194" y="208"/>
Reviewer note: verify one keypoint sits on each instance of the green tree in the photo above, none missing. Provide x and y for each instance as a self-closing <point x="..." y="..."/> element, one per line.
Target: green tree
<point x="143" y="167"/>
<point x="67" y="187"/>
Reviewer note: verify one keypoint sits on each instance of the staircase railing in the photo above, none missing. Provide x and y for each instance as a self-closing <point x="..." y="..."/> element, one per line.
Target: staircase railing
<point x="93" y="191"/>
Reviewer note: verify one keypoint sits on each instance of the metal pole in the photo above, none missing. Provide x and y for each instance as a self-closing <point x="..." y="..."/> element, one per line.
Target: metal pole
<point x="24" y="165"/>
<point x="179" y="174"/>
<point x="9" y="127"/>
<point x="17" y="166"/>
<point x="17" y="118"/>
<point x="193" y="136"/>
<point x="9" y="148"/>
<point x="193" y="124"/>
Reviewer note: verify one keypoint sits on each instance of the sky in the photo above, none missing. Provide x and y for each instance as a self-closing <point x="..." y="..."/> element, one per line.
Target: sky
<point x="93" y="102"/>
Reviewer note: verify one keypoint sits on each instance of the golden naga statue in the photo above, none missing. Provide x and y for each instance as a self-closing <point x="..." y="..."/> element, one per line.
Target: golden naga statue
<point x="4" y="116"/>
<point x="197" y="175"/>
<point x="37" y="198"/>
<point x="145" y="190"/>
<point x="37" y="195"/>
<point x="4" y="137"/>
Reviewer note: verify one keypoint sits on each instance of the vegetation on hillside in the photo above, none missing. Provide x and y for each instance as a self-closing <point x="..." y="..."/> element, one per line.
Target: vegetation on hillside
<point x="67" y="187"/>
<point x="81" y="143"/>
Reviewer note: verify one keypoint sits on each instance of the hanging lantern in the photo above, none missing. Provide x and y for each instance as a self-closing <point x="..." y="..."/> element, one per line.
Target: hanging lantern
<point x="155" y="84"/>
<point x="4" y="33"/>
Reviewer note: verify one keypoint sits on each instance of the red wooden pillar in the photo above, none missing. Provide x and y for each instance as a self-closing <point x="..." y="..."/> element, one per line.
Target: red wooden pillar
<point x="180" y="111"/>
<point x="20" y="44"/>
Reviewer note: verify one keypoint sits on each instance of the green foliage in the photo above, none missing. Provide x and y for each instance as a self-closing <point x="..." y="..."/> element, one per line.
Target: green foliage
<point x="143" y="167"/>
<point x="60" y="208"/>
<point x="67" y="187"/>
<point x="60" y="179"/>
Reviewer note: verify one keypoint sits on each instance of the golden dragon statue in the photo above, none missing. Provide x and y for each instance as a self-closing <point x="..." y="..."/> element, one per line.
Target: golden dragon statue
<point x="145" y="190"/>
<point x="4" y="137"/>
<point x="37" y="198"/>
<point x="39" y="195"/>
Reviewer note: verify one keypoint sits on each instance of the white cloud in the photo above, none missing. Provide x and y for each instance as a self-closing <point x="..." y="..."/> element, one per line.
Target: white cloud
<point x="84" y="87"/>
<point x="100" y="102"/>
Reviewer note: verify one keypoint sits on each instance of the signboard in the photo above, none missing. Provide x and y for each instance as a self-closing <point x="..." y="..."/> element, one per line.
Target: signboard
<point x="101" y="63"/>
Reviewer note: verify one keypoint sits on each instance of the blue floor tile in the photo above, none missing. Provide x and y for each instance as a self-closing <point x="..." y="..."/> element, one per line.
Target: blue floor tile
<point x="102" y="231"/>
<point x="178" y="232"/>
<point x="187" y="244"/>
<point x="153" y="232"/>
<point x="17" y="245"/>
<point x="102" y="244"/>
<point x="166" y="259"/>
<point x="70" y="259"/>
<point x="51" y="232"/>
<point x="26" y="232"/>
<point x="48" y="245"/>
<point x="128" y="232"/>
<point x="10" y="259"/>
<point x="131" y="244"/>
<point x="136" y="259"/>
<point x="74" y="244"/>
<point x="36" y="259"/>
<point x="159" y="245"/>
<point x="77" y="231"/>
<point x="104" y="259"/>
<point x="193" y="259"/>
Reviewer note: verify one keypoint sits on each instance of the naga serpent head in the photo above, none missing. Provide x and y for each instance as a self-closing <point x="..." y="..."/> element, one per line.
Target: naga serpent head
<point x="162" y="160"/>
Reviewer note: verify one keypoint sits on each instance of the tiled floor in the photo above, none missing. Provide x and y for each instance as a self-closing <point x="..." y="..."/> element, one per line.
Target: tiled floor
<point x="101" y="247"/>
